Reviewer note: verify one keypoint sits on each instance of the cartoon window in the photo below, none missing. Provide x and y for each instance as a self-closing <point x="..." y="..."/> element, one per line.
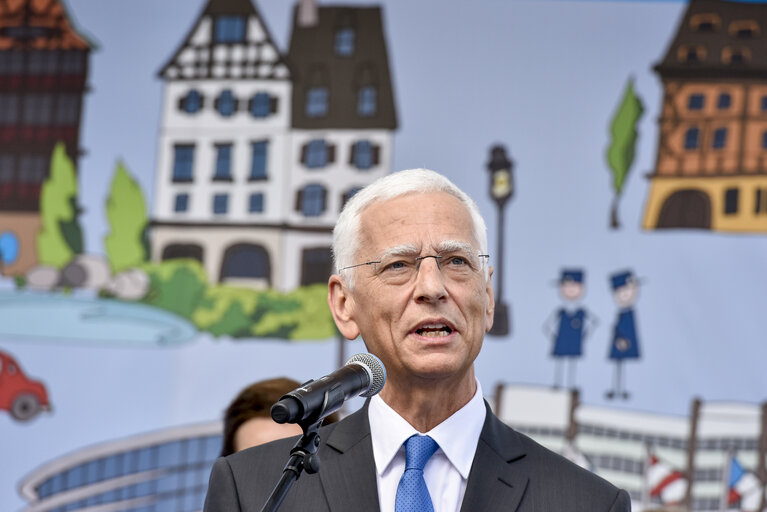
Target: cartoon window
<point x="760" y="200"/>
<point x="696" y="102"/>
<point x="724" y="102"/>
<point x="744" y="29"/>
<point x="364" y="155"/>
<point x="367" y="103"/>
<point x="691" y="138"/>
<point x="230" y="29"/>
<point x="226" y="104"/>
<point x="317" y="154"/>
<point x="764" y="103"/>
<point x="181" y="203"/>
<point x="344" y="41"/>
<point x="261" y="105"/>
<point x="220" y="203"/>
<point x="256" y="202"/>
<point x="720" y="138"/>
<point x="311" y="200"/>
<point x="687" y="53"/>
<point x="705" y="22"/>
<point x="731" y="201"/>
<point x="764" y="139"/>
<point x="38" y="108"/>
<point x="317" y="102"/>
<point x="67" y="108"/>
<point x="9" y="108"/>
<point x="223" y="162"/>
<point x="191" y="102"/>
<point x="183" y="160"/>
<point x="735" y="55"/>
<point x="259" y="150"/>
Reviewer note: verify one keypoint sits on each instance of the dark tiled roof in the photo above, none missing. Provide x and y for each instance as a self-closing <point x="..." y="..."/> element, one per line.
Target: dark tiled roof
<point x="719" y="17"/>
<point x="313" y="61"/>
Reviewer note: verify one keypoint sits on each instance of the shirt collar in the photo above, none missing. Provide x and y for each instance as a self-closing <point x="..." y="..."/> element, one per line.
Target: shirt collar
<point x="457" y="436"/>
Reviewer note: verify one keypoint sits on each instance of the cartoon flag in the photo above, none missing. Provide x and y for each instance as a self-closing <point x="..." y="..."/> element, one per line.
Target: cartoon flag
<point x="664" y="482"/>
<point x="744" y="487"/>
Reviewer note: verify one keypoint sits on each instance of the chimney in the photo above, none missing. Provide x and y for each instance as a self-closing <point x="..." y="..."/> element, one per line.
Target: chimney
<point x="307" y="13"/>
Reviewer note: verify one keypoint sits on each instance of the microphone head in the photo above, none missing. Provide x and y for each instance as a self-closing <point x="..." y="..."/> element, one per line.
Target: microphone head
<point x="375" y="369"/>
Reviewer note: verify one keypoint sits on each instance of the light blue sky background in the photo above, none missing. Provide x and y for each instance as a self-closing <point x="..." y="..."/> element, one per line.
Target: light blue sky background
<point x="541" y="77"/>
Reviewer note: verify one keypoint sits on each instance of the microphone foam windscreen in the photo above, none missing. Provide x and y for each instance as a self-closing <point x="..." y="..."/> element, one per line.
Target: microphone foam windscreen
<point x="375" y="368"/>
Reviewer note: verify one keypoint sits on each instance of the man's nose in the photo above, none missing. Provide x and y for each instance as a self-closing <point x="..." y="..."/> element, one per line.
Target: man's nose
<point x="430" y="285"/>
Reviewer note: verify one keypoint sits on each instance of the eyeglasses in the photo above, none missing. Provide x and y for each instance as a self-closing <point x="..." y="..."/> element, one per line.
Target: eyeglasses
<point x="398" y="269"/>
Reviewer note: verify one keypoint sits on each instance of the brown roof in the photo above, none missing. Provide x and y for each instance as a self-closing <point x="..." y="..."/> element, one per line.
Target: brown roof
<point x="38" y="24"/>
<point x="716" y="29"/>
<point x="313" y="61"/>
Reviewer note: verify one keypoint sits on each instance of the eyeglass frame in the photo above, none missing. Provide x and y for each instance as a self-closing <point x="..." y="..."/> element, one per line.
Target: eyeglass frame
<point x="450" y="247"/>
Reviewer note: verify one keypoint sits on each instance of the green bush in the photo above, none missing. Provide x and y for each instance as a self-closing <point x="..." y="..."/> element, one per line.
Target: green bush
<point x="176" y="285"/>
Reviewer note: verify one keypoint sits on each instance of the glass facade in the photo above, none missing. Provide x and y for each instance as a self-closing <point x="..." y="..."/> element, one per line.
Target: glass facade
<point x="152" y="475"/>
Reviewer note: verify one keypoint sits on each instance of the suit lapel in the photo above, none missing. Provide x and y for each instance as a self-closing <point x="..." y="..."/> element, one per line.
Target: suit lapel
<point x="495" y="483"/>
<point x="347" y="467"/>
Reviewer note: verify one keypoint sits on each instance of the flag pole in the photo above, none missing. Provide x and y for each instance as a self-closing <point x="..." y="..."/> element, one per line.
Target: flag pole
<point x="692" y="446"/>
<point x="726" y="481"/>
<point x="761" y="468"/>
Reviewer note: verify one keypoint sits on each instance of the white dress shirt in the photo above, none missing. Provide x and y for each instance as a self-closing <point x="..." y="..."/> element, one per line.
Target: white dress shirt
<point x="447" y="470"/>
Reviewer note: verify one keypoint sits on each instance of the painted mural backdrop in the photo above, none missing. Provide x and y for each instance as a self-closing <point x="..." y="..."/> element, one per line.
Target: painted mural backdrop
<point x="170" y="173"/>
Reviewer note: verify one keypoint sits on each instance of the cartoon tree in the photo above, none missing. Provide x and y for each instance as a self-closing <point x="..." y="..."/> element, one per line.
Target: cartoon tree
<point x="127" y="243"/>
<point x="60" y="235"/>
<point x="620" y="154"/>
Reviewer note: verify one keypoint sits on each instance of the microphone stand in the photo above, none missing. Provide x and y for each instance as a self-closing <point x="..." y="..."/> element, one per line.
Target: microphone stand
<point x="303" y="456"/>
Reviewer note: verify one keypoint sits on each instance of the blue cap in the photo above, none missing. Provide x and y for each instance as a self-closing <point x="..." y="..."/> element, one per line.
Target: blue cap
<point x="621" y="279"/>
<point x="571" y="274"/>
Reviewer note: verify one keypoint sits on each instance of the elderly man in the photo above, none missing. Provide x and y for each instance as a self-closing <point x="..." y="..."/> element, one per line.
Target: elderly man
<point x="413" y="281"/>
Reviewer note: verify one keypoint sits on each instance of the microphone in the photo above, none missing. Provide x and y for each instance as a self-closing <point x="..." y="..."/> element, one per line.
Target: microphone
<point x="363" y="374"/>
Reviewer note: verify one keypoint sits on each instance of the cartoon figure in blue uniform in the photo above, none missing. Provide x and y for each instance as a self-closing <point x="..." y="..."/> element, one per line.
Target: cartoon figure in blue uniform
<point x="625" y="342"/>
<point x="569" y="325"/>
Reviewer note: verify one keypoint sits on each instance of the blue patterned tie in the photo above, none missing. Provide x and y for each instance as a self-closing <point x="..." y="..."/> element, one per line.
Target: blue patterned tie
<point x="412" y="494"/>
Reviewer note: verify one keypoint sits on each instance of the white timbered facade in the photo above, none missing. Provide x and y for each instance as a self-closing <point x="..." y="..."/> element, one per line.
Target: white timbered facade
<point x="256" y="159"/>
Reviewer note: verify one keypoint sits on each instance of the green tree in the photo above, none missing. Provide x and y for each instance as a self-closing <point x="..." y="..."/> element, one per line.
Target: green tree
<point x="60" y="235"/>
<point x="621" y="153"/>
<point x="126" y="244"/>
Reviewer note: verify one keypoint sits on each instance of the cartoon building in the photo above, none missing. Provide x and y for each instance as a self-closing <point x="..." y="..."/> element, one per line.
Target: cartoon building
<point x="711" y="165"/>
<point x="43" y="78"/>
<point x="162" y="470"/>
<point x="259" y="151"/>
<point x="617" y="443"/>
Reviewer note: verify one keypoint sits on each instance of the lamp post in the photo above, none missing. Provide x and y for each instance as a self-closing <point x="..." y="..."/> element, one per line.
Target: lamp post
<point x="501" y="190"/>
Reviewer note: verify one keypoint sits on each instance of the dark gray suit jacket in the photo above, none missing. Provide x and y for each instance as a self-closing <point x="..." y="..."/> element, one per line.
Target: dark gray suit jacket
<point x="510" y="472"/>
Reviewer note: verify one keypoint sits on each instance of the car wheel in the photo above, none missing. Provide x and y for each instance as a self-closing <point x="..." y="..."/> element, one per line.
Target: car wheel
<point x="25" y="407"/>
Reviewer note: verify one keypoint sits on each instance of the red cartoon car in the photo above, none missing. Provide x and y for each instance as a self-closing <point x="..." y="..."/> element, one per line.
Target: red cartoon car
<point x="22" y="397"/>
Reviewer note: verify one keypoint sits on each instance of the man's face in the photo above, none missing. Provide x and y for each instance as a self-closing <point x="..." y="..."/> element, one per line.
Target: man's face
<point x="432" y="326"/>
<point x="626" y="295"/>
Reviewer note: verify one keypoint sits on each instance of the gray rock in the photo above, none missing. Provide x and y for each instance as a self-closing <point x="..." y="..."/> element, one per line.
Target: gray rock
<point x="43" y="277"/>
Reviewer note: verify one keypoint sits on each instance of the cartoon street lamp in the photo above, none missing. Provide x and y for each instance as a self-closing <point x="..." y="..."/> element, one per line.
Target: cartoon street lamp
<point x="501" y="190"/>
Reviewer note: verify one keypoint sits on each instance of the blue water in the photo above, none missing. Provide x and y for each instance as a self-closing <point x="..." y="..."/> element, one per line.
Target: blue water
<point x="54" y="317"/>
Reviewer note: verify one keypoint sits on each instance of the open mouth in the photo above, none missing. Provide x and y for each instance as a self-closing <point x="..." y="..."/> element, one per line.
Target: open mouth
<point x="434" y="330"/>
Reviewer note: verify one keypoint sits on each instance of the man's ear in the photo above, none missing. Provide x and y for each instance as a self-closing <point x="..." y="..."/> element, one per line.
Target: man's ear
<point x="341" y="305"/>
<point x="490" y="309"/>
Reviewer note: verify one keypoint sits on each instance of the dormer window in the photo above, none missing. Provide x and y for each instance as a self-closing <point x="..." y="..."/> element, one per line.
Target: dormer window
<point x="691" y="54"/>
<point x="735" y="55"/>
<point x="744" y="29"/>
<point x="344" y="42"/>
<point x="367" y="103"/>
<point x="705" y="22"/>
<point x="230" y="29"/>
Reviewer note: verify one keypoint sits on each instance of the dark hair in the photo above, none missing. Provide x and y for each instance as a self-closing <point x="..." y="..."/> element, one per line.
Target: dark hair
<point x="255" y="401"/>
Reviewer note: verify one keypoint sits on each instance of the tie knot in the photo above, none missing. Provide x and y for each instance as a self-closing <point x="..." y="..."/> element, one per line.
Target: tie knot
<point x="418" y="450"/>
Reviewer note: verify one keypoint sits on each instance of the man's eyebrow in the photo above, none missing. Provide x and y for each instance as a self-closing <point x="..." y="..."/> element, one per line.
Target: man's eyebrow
<point x="453" y="246"/>
<point x="401" y="250"/>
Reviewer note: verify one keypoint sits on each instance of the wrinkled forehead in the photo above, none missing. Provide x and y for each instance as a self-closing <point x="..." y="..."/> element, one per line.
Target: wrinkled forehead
<point x="416" y="224"/>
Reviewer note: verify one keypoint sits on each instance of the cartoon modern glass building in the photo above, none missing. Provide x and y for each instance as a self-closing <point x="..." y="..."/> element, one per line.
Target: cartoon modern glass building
<point x="620" y="444"/>
<point x="162" y="471"/>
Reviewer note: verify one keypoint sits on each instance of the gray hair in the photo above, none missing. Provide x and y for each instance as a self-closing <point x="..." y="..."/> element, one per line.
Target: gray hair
<point x="346" y="234"/>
